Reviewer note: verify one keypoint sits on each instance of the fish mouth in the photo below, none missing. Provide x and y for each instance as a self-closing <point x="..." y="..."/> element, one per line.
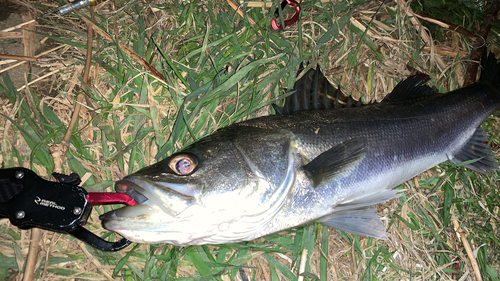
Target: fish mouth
<point x="168" y="198"/>
<point x="134" y="190"/>
<point x="128" y="219"/>
<point x="157" y="201"/>
<point x="131" y="189"/>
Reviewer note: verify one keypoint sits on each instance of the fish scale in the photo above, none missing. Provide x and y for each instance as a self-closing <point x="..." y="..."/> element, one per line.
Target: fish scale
<point x="330" y="166"/>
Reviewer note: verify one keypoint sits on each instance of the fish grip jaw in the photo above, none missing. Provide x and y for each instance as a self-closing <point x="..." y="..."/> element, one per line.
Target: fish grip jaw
<point x="29" y="201"/>
<point x="97" y="242"/>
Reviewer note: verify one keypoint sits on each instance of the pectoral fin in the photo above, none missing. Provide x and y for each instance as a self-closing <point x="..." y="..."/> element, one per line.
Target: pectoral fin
<point x="340" y="159"/>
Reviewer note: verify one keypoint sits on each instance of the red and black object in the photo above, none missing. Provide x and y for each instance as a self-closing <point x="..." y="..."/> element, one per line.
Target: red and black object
<point x="29" y="201"/>
<point x="292" y="20"/>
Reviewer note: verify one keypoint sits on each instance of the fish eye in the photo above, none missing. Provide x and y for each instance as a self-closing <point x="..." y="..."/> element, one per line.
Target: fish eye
<point x="183" y="164"/>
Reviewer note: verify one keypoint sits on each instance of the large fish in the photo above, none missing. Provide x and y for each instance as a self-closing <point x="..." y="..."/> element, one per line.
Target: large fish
<point x="322" y="165"/>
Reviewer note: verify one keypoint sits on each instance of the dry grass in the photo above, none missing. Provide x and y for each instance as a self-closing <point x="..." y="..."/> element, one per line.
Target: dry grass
<point x="379" y="46"/>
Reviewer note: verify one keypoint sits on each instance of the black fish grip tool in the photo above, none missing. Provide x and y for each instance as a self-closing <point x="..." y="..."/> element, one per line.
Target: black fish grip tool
<point x="29" y="201"/>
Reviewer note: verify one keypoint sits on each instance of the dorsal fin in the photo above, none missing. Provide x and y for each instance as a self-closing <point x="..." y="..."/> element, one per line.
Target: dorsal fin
<point x="314" y="92"/>
<point x="411" y="88"/>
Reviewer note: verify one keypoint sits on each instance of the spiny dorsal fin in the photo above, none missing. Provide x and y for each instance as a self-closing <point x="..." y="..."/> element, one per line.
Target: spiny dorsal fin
<point x="477" y="154"/>
<point x="335" y="161"/>
<point x="314" y="92"/>
<point x="410" y="89"/>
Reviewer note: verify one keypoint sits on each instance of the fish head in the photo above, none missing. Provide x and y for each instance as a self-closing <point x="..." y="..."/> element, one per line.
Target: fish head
<point x="238" y="176"/>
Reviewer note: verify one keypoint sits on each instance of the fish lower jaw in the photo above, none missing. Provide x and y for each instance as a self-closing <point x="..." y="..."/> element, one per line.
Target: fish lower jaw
<point x="143" y="224"/>
<point x="177" y="239"/>
<point x="150" y="236"/>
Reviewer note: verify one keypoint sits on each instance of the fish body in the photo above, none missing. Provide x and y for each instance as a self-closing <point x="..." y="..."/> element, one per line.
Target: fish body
<point x="330" y="166"/>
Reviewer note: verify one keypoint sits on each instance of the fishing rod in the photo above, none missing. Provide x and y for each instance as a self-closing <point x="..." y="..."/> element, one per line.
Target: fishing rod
<point x="75" y="5"/>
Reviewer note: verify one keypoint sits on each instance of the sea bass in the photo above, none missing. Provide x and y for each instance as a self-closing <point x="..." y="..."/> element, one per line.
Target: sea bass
<point x="307" y="165"/>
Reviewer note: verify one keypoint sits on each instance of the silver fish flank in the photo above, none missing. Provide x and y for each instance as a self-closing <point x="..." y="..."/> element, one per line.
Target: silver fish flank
<point x="329" y="165"/>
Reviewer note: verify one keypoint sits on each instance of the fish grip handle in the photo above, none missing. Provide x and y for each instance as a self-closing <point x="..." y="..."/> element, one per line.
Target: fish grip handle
<point x="29" y="201"/>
